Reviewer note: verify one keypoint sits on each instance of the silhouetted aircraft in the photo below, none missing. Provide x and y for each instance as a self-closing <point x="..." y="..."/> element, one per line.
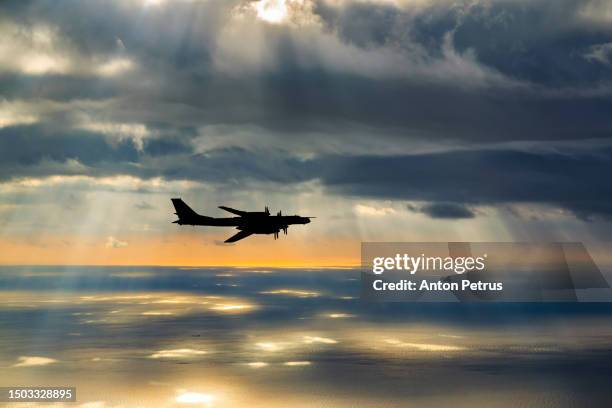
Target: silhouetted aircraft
<point x="248" y="223"/>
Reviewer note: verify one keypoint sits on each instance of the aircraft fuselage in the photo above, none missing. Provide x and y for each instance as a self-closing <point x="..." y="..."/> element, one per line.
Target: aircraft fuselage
<point x="247" y="223"/>
<point x="262" y="223"/>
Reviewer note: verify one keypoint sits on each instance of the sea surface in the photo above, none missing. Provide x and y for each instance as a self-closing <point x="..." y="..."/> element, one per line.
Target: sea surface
<point x="232" y="337"/>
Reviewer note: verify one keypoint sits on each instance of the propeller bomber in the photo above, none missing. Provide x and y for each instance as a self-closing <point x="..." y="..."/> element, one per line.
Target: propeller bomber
<point x="247" y="222"/>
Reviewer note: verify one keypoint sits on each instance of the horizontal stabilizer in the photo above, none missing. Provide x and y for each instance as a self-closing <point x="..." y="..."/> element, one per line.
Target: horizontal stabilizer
<point x="237" y="212"/>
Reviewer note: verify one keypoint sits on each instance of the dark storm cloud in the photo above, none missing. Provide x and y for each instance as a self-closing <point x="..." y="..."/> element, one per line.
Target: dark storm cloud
<point x="30" y="145"/>
<point x="540" y="41"/>
<point x="574" y="181"/>
<point x="175" y="46"/>
<point x="447" y="211"/>
<point x="169" y="145"/>
<point x="448" y="181"/>
<point x="522" y="39"/>
<point x="365" y="24"/>
<point x="478" y="75"/>
<point x="57" y="87"/>
<point x="233" y="166"/>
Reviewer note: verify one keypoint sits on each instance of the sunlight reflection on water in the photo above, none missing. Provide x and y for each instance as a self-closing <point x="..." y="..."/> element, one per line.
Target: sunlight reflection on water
<point x="165" y="337"/>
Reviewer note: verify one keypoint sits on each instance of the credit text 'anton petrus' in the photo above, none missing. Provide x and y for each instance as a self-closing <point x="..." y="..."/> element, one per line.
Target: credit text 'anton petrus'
<point x="413" y="264"/>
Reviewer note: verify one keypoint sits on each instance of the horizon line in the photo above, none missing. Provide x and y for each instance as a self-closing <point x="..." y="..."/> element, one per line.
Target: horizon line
<point x="238" y="266"/>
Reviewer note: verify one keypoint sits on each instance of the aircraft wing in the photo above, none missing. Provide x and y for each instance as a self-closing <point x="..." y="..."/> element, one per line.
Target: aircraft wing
<point x="238" y="236"/>
<point x="237" y="212"/>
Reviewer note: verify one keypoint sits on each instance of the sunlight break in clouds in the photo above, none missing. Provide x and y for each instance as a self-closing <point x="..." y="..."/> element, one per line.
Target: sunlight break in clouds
<point x="272" y="11"/>
<point x="282" y="11"/>
<point x="32" y="50"/>
<point x="113" y="242"/>
<point x="115" y="66"/>
<point x="373" y="211"/>
<point x="116" y="183"/>
<point x="40" y="50"/>
<point x="118" y="132"/>
<point x="15" y="113"/>
<point x="32" y="361"/>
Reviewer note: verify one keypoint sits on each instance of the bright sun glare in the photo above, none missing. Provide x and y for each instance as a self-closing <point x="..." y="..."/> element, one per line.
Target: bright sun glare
<point x="272" y="11"/>
<point x="195" y="398"/>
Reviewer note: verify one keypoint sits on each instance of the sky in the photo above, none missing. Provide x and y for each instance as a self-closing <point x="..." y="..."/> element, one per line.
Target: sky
<point x="388" y="120"/>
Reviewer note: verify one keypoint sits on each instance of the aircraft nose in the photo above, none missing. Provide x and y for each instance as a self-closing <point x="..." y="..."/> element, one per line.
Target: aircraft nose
<point x="307" y="221"/>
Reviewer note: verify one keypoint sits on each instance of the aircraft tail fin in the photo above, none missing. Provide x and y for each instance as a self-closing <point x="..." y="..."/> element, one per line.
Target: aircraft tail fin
<point x="185" y="213"/>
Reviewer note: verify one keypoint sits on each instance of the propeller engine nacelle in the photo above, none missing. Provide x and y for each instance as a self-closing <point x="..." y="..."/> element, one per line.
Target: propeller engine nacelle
<point x="284" y="228"/>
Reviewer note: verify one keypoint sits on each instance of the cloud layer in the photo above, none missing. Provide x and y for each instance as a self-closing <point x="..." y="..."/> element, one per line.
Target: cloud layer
<point x="452" y="105"/>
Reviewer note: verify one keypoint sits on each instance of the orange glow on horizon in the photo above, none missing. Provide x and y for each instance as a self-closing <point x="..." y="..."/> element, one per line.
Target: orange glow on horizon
<point x="178" y="250"/>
